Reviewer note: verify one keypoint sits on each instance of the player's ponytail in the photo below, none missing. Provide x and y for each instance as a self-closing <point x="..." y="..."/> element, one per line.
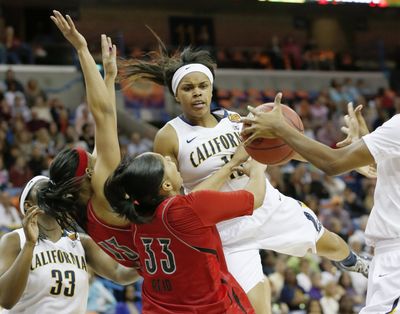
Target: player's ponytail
<point x="159" y="66"/>
<point x="61" y="196"/>
<point x="133" y="189"/>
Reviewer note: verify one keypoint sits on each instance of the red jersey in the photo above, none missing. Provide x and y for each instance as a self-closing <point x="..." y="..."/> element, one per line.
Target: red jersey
<point x="115" y="241"/>
<point x="181" y="255"/>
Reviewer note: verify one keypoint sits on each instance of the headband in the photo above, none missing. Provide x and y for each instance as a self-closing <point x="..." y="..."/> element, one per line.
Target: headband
<point x="189" y="68"/>
<point x="82" y="163"/>
<point x="28" y="187"/>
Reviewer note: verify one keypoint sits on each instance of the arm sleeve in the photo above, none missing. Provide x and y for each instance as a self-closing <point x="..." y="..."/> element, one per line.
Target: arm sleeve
<point x="213" y="206"/>
<point x="384" y="142"/>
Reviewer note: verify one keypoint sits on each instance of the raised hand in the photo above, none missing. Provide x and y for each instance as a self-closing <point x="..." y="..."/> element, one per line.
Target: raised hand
<point x="109" y="56"/>
<point x="67" y="27"/>
<point x="30" y="224"/>
<point x="355" y="128"/>
<point x="263" y="124"/>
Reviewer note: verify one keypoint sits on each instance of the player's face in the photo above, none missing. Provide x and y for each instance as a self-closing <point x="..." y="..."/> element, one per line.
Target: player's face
<point x="194" y="93"/>
<point x="171" y="173"/>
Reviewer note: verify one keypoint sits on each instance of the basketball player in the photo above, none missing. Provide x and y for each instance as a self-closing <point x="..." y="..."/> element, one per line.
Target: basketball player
<point x="180" y="251"/>
<point x="43" y="268"/>
<point x="75" y="192"/>
<point x="77" y="177"/>
<point x="200" y="142"/>
<point x="382" y="147"/>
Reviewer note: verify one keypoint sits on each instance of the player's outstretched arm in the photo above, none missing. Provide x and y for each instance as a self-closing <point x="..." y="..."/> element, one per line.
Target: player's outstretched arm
<point x="15" y="263"/>
<point x="106" y="139"/>
<point x="105" y="266"/>
<point x="331" y="161"/>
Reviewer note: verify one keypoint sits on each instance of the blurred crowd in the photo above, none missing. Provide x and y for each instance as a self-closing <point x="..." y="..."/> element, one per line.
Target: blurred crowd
<point x="35" y="127"/>
<point x="286" y="53"/>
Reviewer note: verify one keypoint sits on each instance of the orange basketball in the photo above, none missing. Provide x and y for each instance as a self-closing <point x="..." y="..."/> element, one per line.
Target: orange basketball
<point x="274" y="151"/>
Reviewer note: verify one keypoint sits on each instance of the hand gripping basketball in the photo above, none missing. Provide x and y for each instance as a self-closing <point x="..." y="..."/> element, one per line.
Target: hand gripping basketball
<point x="271" y="151"/>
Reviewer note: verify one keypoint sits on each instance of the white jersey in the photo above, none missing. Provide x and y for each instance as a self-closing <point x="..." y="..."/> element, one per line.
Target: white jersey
<point x="58" y="281"/>
<point x="384" y="145"/>
<point x="281" y="224"/>
<point x="203" y="151"/>
<point x="277" y="225"/>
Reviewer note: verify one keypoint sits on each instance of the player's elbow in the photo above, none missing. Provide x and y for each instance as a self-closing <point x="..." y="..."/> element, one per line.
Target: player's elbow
<point x="7" y="303"/>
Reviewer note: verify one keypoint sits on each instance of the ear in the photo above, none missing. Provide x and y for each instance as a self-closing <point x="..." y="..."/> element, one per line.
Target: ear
<point x="167" y="186"/>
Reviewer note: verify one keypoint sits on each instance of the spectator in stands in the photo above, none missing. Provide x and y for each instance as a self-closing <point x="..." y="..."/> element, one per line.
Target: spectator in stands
<point x="20" y="172"/>
<point x="17" y="51"/>
<point x="3" y="53"/>
<point x="10" y="79"/>
<point x="131" y="303"/>
<point x="337" y="95"/>
<point x="319" y="111"/>
<point x="315" y="292"/>
<point x="303" y="277"/>
<point x="314" y="307"/>
<point x="33" y="90"/>
<point x="19" y="107"/>
<point x="37" y="163"/>
<point x="346" y="305"/>
<point x="353" y="204"/>
<point x="346" y="283"/>
<point x="292" y="294"/>
<point x="23" y="139"/>
<point x="59" y="113"/>
<point x="334" y="209"/>
<point x="85" y="119"/>
<point x="329" y="301"/>
<point x="277" y="278"/>
<point x="87" y="135"/>
<point x="4" y="177"/>
<point x="9" y="217"/>
<point x="137" y="145"/>
<point x="328" y="134"/>
<point x="100" y="299"/>
<point x="42" y="110"/>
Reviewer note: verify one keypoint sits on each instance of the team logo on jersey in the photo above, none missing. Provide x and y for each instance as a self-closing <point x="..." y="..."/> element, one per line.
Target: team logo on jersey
<point x="234" y="117"/>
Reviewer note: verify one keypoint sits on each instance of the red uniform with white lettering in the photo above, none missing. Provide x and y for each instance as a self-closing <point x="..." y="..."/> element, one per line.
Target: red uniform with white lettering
<point x="181" y="255"/>
<point x="115" y="241"/>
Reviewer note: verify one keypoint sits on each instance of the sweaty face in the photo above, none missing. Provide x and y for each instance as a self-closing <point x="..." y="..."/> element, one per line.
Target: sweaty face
<point x="194" y="93"/>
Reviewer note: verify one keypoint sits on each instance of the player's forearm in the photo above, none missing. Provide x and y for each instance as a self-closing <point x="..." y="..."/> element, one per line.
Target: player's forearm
<point x="109" y="81"/>
<point x="126" y="275"/>
<point x="317" y="153"/>
<point x="13" y="281"/>
<point x="216" y="180"/>
<point x="96" y="90"/>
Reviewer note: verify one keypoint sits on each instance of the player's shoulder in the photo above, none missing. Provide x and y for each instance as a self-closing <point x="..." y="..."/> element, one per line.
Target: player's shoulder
<point x="166" y="141"/>
<point x="10" y="241"/>
<point x="231" y="116"/>
<point x="165" y="132"/>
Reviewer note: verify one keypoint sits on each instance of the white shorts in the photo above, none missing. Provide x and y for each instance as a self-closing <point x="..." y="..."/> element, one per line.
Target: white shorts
<point x="245" y="267"/>
<point x="383" y="292"/>
<point x="287" y="227"/>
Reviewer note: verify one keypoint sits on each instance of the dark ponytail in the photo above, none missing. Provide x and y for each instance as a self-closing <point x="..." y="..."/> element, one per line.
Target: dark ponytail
<point x="60" y="197"/>
<point x="160" y="67"/>
<point x="133" y="188"/>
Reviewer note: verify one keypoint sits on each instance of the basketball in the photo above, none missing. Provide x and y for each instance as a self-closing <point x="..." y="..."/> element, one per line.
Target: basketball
<point x="274" y="151"/>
